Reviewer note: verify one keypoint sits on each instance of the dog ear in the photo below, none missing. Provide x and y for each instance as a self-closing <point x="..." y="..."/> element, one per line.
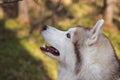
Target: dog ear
<point x="94" y="32"/>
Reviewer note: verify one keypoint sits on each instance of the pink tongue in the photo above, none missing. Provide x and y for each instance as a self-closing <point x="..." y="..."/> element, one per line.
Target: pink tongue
<point x="50" y="49"/>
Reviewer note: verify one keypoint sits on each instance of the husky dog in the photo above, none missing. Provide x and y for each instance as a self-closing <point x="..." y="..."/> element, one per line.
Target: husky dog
<point x="82" y="53"/>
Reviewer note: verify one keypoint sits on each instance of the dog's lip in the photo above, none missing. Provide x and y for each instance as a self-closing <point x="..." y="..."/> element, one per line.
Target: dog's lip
<point x="50" y="49"/>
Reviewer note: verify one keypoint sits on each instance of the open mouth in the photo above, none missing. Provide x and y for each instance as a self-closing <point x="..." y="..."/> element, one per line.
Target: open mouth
<point x="50" y="49"/>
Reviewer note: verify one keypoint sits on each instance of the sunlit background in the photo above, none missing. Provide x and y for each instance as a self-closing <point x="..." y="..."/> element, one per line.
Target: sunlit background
<point x="20" y="38"/>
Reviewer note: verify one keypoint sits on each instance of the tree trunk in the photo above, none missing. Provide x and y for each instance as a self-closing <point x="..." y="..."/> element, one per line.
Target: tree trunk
<point x="1" y="13"/>
<point x="31" y="4"/>
<point x="23" y="16"/>
<point x="109" y="11"/>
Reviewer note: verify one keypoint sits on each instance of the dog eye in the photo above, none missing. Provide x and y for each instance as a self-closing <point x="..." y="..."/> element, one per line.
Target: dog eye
<point x="68" y="35"/>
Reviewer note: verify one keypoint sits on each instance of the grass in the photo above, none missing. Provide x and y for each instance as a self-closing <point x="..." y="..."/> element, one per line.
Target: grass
<point x="20" y="57"/>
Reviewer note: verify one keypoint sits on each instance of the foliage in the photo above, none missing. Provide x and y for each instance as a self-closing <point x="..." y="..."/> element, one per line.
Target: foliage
<point x="20" y="56"/>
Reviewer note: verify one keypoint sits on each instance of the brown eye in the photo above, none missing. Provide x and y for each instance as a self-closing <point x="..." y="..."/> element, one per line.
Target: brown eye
<point x="68" y="35"/>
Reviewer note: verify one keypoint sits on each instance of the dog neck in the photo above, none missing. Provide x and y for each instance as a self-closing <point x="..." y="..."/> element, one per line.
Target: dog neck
<point x="66" y="68"/>
<point x="66" y="72"/>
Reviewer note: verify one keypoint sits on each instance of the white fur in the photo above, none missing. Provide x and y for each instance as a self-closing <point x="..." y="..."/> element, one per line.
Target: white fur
<point x="58" y="39"/>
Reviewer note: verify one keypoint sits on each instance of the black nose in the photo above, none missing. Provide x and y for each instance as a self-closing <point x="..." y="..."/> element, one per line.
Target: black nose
<point x="44" y="27"/>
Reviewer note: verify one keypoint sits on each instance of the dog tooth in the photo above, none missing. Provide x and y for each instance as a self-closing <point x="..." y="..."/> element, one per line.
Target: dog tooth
<point x="47" y="49"/>
<point x="43" y="45"/>
<point x="56" y="51"/>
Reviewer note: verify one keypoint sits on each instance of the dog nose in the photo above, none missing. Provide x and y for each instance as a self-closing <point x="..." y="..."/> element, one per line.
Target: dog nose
<point x="44" y="27"/>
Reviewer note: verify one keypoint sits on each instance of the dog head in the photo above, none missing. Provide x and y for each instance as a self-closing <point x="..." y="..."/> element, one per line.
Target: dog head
<point x="65" y="45"/>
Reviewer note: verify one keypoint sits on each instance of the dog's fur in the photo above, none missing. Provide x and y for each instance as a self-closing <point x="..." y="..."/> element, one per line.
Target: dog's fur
<point x="85" y="54"/>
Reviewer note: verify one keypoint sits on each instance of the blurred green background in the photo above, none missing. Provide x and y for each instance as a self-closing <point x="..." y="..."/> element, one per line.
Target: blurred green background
<point x="20" y="38"/>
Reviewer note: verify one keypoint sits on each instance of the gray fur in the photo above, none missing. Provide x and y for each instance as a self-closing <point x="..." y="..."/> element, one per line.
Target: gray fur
<point x="105" y="58"/>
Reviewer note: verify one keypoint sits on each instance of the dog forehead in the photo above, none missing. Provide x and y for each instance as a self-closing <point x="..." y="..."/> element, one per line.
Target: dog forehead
<point x="81" y="33"/>
<point x="81" y="30"/>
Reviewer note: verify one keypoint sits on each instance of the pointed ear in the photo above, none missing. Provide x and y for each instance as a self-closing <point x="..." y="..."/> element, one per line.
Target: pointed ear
<point x="94" y="32"/>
